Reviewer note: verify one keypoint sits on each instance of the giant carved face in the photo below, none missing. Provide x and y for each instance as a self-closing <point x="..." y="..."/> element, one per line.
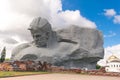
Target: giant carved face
<point x="41" y="31"/>
<point x="41" y="38"/>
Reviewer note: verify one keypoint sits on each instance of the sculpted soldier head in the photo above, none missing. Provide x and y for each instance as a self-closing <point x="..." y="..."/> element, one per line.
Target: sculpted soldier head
<point x="41" y="31"/>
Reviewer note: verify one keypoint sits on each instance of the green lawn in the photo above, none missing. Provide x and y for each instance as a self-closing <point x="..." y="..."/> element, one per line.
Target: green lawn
<point x="16" y="73"/>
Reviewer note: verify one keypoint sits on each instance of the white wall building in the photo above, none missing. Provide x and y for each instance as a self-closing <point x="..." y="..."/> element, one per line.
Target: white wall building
<point x="113" y="64"/>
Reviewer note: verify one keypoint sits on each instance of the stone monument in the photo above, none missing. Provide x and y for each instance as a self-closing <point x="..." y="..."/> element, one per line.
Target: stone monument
<point x="71" y="47"/>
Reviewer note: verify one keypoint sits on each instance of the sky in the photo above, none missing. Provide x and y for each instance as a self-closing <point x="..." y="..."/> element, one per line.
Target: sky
<point x="16" y="15"/>
<point x="105" y="14"/>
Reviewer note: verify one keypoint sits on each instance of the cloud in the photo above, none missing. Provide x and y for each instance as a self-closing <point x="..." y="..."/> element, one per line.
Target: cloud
<point x="112" y="13"/>
<point x="109" y="12"/>
<point x="16" y="15"/>
<point x="51" y="10"/>
<point x="9" y="47"/>
<point x="112" y="50"/>
<point x="74" y="17"/>
<point x="111" y="34"/>
<point x="117" y="19"/>
<point x="10" y="41"/>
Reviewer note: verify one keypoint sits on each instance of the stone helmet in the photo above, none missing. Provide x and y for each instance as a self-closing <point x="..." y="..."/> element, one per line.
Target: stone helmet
<point x="39" y="23"/>
<point x="41" y="32"/>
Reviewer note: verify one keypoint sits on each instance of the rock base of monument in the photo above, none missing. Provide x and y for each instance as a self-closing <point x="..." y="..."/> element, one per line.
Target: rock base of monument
<point x="85" y="63"/>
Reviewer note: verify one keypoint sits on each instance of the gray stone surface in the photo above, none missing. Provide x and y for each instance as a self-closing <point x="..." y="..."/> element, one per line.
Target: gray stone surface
<point x="71" y="47"/>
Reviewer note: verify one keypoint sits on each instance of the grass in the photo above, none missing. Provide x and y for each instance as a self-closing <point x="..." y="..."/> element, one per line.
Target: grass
<point x="16" y="73"/>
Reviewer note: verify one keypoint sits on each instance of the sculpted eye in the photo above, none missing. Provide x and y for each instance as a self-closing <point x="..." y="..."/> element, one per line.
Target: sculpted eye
<point x="37" y="35"/>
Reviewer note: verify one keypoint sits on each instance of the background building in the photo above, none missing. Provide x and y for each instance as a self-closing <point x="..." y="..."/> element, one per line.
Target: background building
<point x="113" y="64"/>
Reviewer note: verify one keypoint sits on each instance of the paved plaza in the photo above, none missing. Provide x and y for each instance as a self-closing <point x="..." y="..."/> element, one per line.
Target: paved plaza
<point x="61" y="77"/>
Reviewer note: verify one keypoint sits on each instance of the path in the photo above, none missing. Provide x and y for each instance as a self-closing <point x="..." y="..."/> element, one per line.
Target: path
<point x="61" y="77"/>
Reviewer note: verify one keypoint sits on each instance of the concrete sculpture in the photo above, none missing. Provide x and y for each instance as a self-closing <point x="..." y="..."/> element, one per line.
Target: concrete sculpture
<point x="71" y="47"/>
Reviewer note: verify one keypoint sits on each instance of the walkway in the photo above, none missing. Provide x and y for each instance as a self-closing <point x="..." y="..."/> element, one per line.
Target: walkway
<point x="61" y="77"/>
